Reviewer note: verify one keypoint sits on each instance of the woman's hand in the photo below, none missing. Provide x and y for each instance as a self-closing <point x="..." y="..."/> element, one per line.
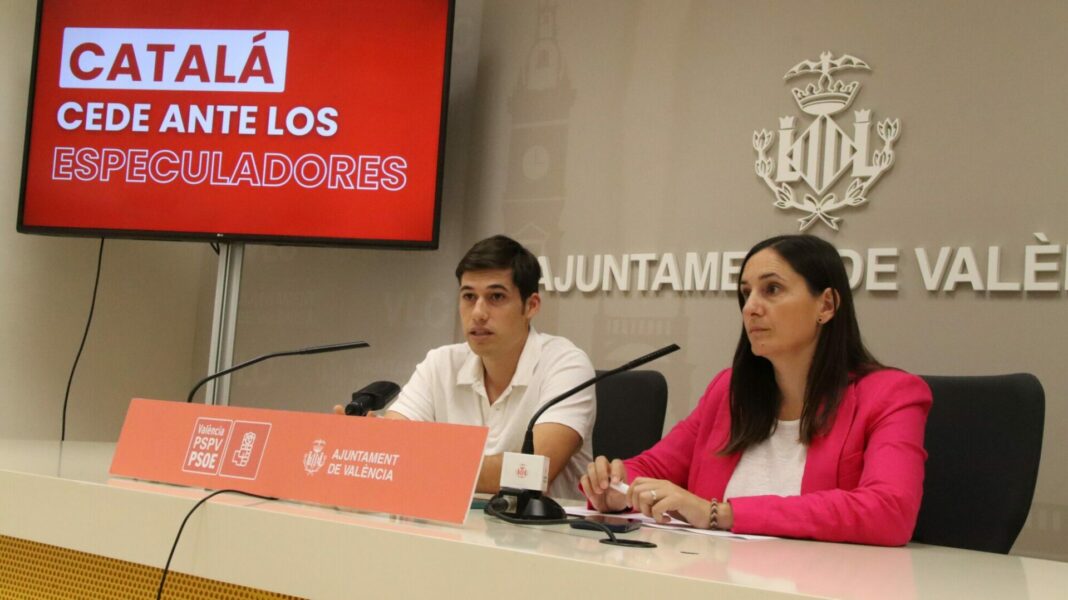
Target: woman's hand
<point x="660" y="499"/>
<point x="596" y="484"/>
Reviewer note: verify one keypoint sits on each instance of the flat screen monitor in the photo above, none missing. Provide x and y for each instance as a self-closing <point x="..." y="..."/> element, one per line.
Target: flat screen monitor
<point x="284" y="121"/>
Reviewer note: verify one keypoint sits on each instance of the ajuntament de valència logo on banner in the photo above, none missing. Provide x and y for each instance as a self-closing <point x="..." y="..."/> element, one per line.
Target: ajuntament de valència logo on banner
<point x="315" y="458"/>
<point x="820" y="155"/>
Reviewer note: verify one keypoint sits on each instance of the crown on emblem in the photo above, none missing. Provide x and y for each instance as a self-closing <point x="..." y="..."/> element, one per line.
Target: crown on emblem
<point x="827" y="96"/>
<point x="815" y="99"/>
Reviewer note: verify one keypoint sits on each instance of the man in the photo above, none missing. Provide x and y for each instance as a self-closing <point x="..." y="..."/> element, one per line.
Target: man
<point x="506" y="371"/>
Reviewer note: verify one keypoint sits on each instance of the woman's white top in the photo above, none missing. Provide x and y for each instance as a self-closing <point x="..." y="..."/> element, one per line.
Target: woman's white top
<point x="772" y="467"/>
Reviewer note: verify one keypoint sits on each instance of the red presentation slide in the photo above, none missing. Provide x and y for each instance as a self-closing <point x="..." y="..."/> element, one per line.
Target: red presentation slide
<point x="275" y="120"/>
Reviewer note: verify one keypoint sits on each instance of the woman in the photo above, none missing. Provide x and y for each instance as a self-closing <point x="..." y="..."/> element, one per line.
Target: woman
<point x="806" y="436"/>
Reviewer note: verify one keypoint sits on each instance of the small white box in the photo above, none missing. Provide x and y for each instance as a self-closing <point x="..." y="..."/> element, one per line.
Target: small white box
<point x="525" y="471"/>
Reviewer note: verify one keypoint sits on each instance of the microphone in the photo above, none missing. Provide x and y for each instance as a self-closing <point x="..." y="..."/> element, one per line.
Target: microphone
<point x="532" y="504"/>
<point x="372" y="397"/>
<point x="248" y="363"/>
<point x="528" y="440"/>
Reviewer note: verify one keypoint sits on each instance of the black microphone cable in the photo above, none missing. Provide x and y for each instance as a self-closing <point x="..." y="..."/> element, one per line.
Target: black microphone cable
<point x="77" y="357"/>
<point x="167" y="567"/>
<point x="497" y="503"/>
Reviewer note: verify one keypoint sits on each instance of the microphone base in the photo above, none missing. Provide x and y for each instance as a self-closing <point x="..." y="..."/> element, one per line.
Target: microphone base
<point x="531" y="505"/>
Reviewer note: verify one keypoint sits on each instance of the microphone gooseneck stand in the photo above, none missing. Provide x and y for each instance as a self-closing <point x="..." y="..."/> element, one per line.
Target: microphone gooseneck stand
<point x="530" y="506"/>
<point x="249" y="363"/>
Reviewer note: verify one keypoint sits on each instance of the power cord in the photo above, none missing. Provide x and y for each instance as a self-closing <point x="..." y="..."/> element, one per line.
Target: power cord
<point x="88" y="322"/>
<point x="167" y="567"/>
<point x="497" y="503"/>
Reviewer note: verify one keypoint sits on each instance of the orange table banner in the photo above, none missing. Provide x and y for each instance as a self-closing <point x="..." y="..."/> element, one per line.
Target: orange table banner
<point x="421" y="470"/>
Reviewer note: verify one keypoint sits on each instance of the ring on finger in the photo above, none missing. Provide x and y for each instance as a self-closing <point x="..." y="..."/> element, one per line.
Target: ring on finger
<point x="653" y="494"/>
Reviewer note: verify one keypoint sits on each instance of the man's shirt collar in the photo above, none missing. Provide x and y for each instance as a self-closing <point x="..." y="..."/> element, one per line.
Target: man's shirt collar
<point x="471" y="371"/>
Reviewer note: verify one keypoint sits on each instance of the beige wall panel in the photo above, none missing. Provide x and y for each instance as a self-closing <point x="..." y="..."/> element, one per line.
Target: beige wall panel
<point x="143" y="333"/>
<point x="656" y="157"/>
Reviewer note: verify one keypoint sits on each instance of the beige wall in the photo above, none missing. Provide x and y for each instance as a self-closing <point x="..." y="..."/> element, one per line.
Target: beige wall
<point x="143" y="334"/>
<point x="657" y="157"/>
<point x="647" y="148"/>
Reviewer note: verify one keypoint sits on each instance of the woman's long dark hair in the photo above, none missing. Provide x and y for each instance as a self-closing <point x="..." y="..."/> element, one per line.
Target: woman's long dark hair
<point x="840" y="354"/>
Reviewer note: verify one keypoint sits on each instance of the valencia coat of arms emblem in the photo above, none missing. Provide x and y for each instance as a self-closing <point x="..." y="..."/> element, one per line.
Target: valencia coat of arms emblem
<point x="820" y="154"/>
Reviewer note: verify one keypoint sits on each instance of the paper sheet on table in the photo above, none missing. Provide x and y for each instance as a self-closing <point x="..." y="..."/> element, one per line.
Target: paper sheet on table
<point x="673" y="524"/>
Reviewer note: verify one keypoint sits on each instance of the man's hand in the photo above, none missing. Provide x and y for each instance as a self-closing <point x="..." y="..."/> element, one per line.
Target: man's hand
<point x="489" y="478"/>
<point x="339" y="409"/>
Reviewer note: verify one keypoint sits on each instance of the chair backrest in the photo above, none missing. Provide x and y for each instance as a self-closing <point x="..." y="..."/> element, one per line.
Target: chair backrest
<point x="630" y="413"/>
<point x="984" y="441"/>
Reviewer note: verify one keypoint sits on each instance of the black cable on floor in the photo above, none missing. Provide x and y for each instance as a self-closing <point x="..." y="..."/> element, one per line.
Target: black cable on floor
<point x="88" y="322"/>
<point x="167" y="567"/>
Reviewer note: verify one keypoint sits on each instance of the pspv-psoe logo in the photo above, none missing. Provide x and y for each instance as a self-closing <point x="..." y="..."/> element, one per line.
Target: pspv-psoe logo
<point x="207" y="60"/>
<point x="820" y="154"/>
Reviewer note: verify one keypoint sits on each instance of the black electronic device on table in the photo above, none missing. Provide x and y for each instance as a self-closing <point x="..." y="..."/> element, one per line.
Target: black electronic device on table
<point x="614" y="524"/>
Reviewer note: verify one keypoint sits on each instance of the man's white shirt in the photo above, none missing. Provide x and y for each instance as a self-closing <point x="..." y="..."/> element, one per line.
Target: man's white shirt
<point x="448" y="387"/>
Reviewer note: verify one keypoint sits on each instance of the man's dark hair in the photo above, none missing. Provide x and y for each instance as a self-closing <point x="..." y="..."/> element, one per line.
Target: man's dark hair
<point x="502" y="252"/>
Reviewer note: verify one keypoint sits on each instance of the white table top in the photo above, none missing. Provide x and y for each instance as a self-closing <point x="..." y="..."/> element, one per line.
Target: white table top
<point x="62" y="495"/>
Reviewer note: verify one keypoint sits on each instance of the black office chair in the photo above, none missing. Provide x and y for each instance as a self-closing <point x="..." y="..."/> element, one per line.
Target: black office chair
<point x="630" y="413"/>
<point x="984" y="440"/>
